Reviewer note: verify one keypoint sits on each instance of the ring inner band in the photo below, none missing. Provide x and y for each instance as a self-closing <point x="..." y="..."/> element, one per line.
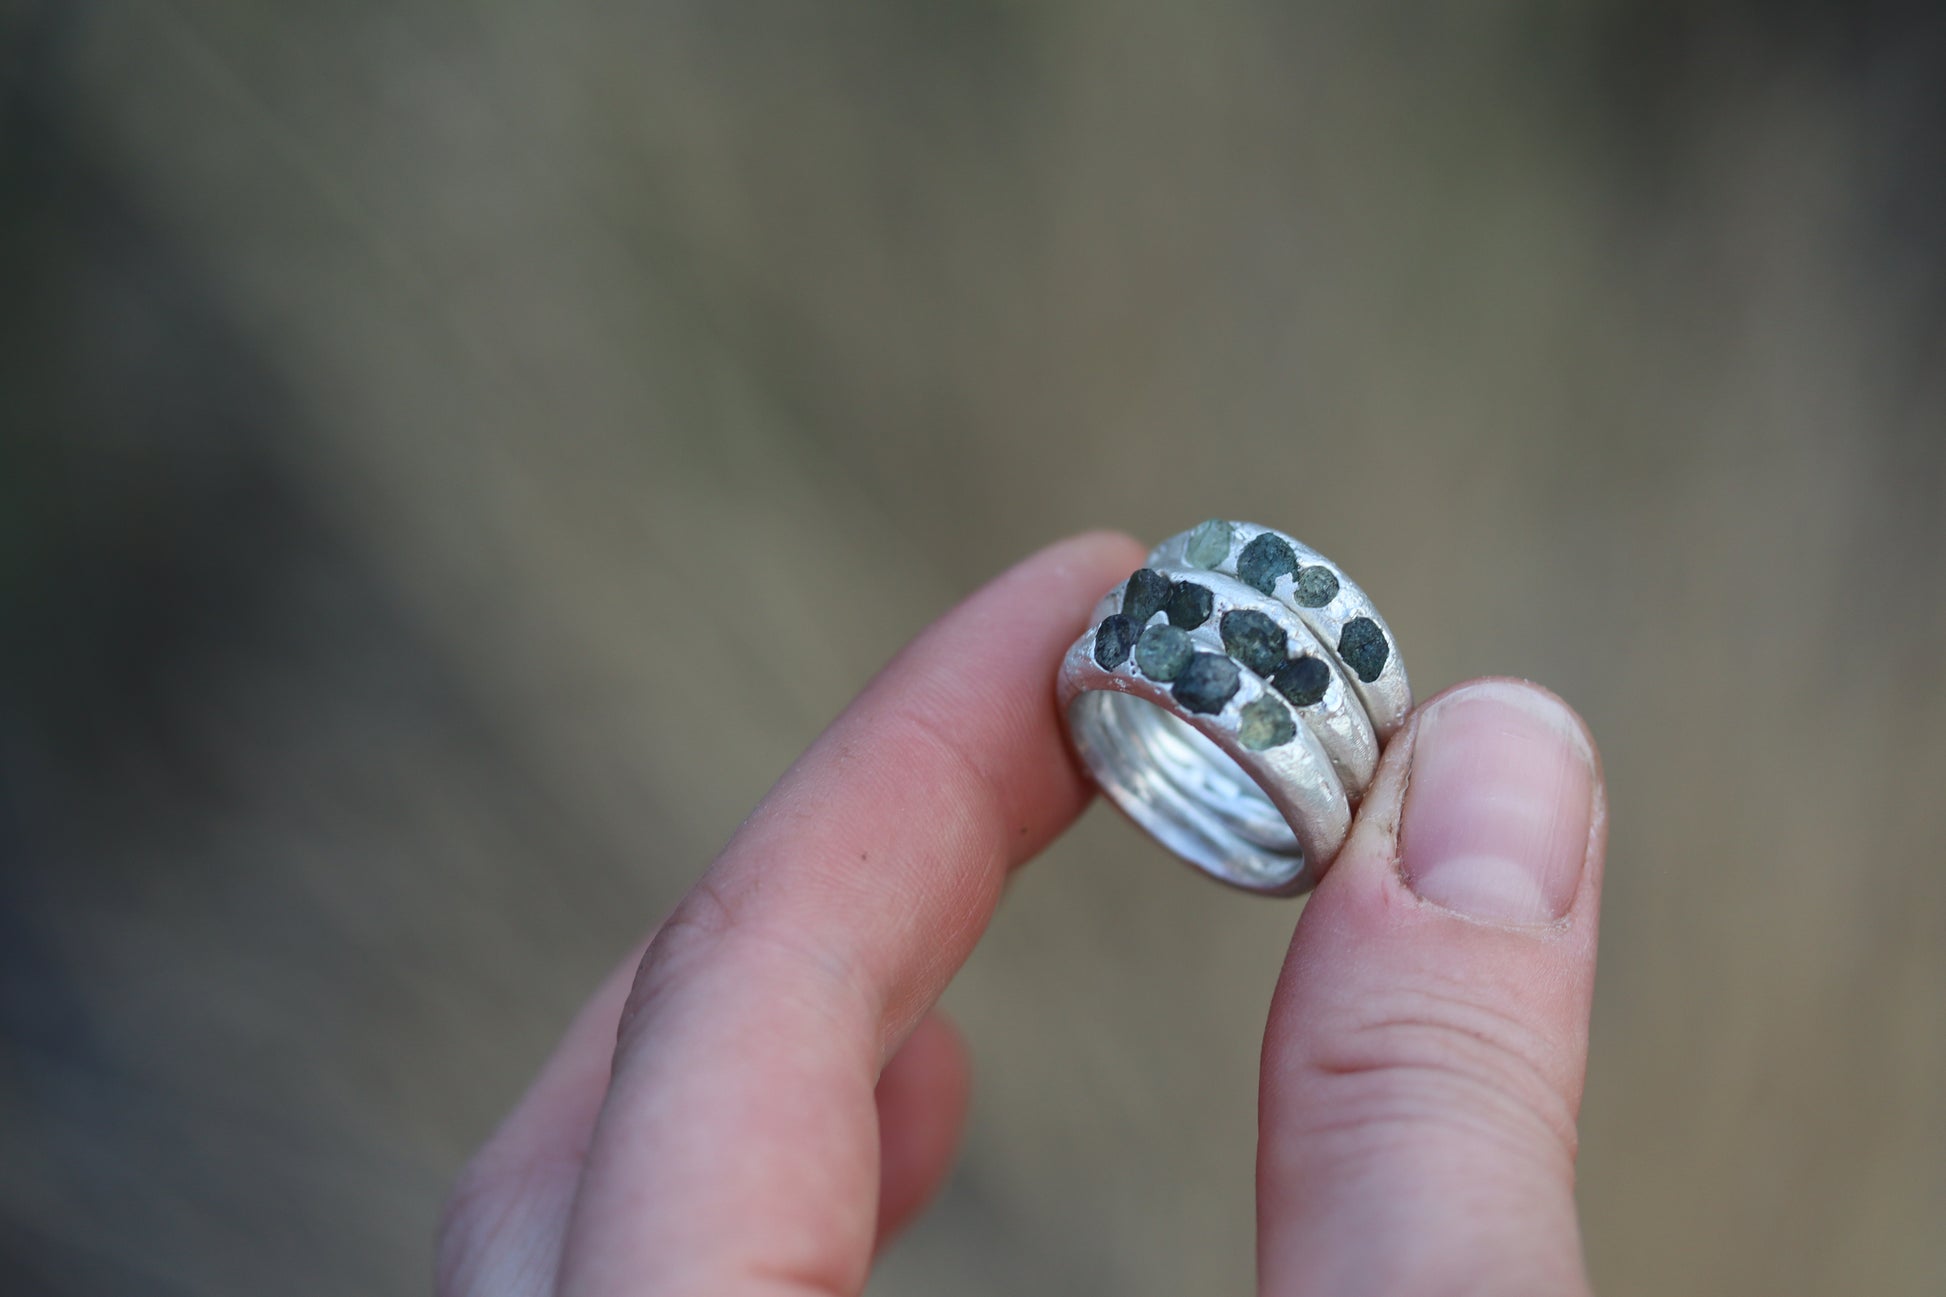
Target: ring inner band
<point x="1184" y="790"/>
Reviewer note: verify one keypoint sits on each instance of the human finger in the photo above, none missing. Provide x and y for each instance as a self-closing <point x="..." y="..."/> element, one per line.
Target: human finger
<point x="736" y="1151"/>
<point x="922" y="1099"/>
<point x="1427" y="1043"/>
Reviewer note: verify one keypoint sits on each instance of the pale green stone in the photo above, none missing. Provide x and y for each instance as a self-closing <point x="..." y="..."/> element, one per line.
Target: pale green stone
<point x="1265" y="723"/>
<point x="1209" y="544"/>
<point x="1163" y="651"/>
<point x="1316" y="586"/>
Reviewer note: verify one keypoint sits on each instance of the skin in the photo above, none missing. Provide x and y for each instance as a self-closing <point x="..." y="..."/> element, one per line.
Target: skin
<point x="762" y="1094"/>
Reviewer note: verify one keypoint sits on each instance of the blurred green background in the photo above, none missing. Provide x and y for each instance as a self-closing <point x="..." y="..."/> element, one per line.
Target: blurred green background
<point x="393" y="394"/>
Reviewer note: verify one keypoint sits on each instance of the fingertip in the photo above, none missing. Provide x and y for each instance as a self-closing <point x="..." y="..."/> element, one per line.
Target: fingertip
<point x="1530" y="695"/>
<point x="1497" y="813"/>
<point x="1109" y="542"/>
<point x="1085" y="564"/>
<point x="1490" y="805"/>
<point x="923" y="1096"/>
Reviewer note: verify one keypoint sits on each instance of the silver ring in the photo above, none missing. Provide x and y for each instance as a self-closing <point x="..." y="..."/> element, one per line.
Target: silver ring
<point x="1231" y="697"/>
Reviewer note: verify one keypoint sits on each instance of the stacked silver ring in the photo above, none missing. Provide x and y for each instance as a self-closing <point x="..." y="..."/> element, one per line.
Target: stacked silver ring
<point x="1231" y="697"/>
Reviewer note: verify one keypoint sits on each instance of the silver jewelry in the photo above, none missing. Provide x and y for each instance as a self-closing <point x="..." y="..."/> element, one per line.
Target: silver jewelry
<point x="1231" y="697"/>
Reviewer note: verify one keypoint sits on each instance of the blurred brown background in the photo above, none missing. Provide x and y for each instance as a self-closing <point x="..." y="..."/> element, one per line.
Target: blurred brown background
<point x="402" y="406"/>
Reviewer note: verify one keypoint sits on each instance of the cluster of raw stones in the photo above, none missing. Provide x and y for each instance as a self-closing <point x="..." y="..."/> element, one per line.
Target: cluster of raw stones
<point x="1205" y="682"/>
<point x="1268" y="556"/>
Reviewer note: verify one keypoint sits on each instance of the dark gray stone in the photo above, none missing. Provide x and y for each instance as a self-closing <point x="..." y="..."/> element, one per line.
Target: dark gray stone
<point x="1189" y="605"/>
<point x="1255" y="640"/>
<point x="1362" y="646"/>
<point x="1209" y="544"/>
<point x="1303" y="681"/>
<point x="1264" y="560"/>
<point x="1113" y="640"/>
<point x="1162" y="652"/>
<point x="1206" y="683"/>
<point x="1316" y="587"/>
<point x="1265" y="723"/>
<point x="1143" y="596"/>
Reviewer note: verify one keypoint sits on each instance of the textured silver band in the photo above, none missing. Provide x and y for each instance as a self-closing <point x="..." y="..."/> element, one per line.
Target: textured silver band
<point x="1231" y="697"/>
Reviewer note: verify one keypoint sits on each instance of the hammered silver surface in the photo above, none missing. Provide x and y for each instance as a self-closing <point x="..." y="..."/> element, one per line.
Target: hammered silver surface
<point x="1386" y="699"/>
<point x="1188" y="779"/>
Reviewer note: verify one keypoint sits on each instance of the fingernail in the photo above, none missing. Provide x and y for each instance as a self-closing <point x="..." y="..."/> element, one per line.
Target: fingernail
<point x="1496" y="815"/>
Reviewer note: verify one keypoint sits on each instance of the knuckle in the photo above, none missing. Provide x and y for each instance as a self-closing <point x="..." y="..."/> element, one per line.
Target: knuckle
<point x="723" y="930"/>
<point x="698" y="925"/>
<point x="1446" y="1057"/>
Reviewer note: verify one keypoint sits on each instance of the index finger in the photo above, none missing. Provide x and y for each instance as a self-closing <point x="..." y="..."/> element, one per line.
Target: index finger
<point x="736" y="1151"/>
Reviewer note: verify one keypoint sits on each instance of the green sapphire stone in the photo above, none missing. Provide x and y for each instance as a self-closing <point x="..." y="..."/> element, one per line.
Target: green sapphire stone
<point x="1264" y="560"/>
<point x="1265" y="723"/>
<point x="1209" y="544"/>
<point x="1206" y="682"/>
<point x="1162" y="652"/>
<point x="1362" y="645"/>
<point x="1189" y="605"/>
<point x="1316" y="586"/>
<point x="1303" y="681"/>
<point x="1253" y="639"/>
<point x="1113" y="640"/>
<point x="1144" y="594"/>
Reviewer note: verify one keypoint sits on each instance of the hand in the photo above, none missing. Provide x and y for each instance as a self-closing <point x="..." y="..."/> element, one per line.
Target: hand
<point x="761" y="1100"/>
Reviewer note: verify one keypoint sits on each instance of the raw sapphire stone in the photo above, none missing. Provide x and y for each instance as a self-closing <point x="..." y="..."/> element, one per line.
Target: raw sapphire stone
<point x="1207" y="682"/>
<point x="1113" y="640"/>
<point x="1362" y="645"/>
<point x="1209" y="544"/>
<point x="1316" y="587"/>
<point x="1264" y="560"/>
<point x="1143" y="596"/>
<point x="1162" y="652"/>
<point x="1303" y="681"/>
<point x="1255" y="640"/>
<point x="1189" y="604"/>
<point x="1265" y="723"/>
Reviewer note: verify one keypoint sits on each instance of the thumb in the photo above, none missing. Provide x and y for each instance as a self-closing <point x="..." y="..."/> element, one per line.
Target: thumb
<point x="1423" y="1064"/>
